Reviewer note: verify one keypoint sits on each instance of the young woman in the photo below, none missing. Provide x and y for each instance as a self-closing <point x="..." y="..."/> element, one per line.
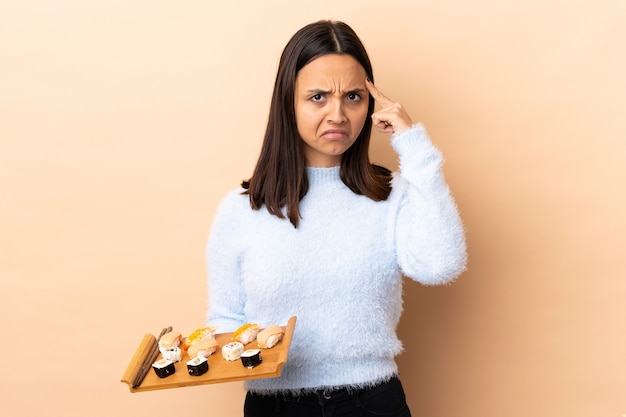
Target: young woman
<point x="321" y="233"/>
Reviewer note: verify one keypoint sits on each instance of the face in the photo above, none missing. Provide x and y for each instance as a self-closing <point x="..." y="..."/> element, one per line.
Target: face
<point x="331" y="107"/>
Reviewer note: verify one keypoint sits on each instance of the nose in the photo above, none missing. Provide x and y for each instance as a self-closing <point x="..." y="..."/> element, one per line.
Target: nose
<point x="336" y="113"/>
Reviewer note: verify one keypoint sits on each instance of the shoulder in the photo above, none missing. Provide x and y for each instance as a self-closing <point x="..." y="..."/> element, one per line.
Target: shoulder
<point x="234" y="203"/>
<point x="235" y="197"/>
<point x="229" y="218"/>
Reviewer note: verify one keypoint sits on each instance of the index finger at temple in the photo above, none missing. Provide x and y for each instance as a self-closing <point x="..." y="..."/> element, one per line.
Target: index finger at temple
<point x="375" y="92"/>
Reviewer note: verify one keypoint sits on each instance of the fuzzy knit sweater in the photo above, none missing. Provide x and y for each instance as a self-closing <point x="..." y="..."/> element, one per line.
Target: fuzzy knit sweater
<point x="340" y="272"/>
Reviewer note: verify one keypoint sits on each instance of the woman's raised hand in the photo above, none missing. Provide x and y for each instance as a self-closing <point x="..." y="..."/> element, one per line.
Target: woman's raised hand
<point x="391" y="117"/>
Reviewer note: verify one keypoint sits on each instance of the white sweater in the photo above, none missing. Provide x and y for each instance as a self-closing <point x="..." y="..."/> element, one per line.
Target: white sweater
<point x="340" y="272"/>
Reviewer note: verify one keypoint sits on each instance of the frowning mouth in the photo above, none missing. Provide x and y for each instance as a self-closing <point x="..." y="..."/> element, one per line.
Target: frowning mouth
<point x="335" y="134"/>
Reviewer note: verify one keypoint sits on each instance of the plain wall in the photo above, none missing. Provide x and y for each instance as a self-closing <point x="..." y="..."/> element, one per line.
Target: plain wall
<point x="123" y="123"/>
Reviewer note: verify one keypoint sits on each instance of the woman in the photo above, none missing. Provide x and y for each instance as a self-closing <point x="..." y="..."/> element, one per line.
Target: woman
<point x="320" y="233"/>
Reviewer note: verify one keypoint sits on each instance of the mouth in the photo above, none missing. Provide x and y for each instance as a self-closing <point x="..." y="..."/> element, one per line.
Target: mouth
<point x="335" y="134"/>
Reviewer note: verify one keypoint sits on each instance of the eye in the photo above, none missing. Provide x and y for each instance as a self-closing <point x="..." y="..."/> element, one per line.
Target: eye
<point x="354" y="96"/>
<point x="317" y="97"/>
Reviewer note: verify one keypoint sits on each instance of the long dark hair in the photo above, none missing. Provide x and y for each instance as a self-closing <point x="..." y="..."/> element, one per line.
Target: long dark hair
<point x="279" y="179"/>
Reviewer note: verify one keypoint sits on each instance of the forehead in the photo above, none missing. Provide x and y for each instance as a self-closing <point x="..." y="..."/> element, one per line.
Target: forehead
<point x="333" y="69"/>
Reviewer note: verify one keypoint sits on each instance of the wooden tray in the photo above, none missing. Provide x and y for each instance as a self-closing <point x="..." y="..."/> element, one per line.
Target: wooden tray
<point x="220" y="370"/>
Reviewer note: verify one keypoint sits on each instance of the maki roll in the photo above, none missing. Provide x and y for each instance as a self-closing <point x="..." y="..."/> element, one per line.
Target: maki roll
<point x="172" y="354"/>
<point x="232" y="351"/>
<point x="197" y="366"/>
<point x="251" y="358"/>
<point x="246" y="333"/>
<point x="164" y="368"/>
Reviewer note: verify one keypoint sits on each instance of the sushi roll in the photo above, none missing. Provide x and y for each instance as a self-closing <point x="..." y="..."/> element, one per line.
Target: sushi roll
<point x="173" y="354"/>
<point x="203" y="348"/>
<point x="270" y="336"/>
<point x="197" y="366"/>
<point x="199" y="334"/>
<point x="251" y="358"/>
<point x="164" y="368"/>
<point x="246" y="333"/>
<point x="232" y="351"/>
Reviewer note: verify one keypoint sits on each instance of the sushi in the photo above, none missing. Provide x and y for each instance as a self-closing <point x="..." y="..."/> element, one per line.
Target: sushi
<point x="246" y="333"/>
<point x="232" y="351"/>
<point x="203" y="348"/>
<point x="173" y="354"/>
<point x="199" y="334"/>
<point x="251" y="358"/>
<point x="164" y="368"/>
<point x="197" y="366"/>
<point x="169" y="340"/>
<point x="169" y="346"/>
<point x="270" y="336"/>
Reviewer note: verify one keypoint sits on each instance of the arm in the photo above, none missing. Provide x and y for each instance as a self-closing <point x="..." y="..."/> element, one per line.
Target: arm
<point x="429" y="235"/>
<point x="226" y="299"/>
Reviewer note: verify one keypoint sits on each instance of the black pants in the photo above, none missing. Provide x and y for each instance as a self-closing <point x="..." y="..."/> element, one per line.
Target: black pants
<point x="386" y="399"/>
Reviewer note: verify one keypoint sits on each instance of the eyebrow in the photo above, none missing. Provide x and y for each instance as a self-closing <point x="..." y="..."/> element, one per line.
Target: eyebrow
<point x="320" y="91"/>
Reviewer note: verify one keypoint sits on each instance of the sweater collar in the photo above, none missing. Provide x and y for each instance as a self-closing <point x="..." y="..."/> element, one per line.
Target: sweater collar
<point x="323" y="175"/>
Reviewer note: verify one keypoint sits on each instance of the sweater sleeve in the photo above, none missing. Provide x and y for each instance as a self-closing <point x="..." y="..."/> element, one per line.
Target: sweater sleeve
<point x="223" y="257"/>
<point x="429" y="235"/>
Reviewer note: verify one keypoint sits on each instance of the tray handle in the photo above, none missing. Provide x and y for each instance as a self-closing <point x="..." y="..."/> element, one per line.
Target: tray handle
<point x="141" y="355"/>
<point x="289" y="328"/>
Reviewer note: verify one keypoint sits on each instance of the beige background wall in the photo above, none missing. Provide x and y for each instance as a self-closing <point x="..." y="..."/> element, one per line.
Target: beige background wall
<point x="122" y="123"/>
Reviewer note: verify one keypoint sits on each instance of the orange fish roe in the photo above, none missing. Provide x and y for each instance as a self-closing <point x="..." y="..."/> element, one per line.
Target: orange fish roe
<point x="198" y="334"/>
<point x="248" y="331"/>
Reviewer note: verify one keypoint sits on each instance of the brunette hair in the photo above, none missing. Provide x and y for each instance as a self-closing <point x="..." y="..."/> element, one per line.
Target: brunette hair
<point x="279" y="179"/>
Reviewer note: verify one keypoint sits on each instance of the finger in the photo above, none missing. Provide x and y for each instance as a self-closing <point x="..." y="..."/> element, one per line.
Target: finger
<point x="392" y="118"/>
<point x="379" y="97"/>
<point x="384" y="127"/>
<point x="382" y="122"/>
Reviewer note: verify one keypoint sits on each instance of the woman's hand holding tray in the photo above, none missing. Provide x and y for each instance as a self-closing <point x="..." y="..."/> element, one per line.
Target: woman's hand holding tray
<point x="220" y="370"/>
